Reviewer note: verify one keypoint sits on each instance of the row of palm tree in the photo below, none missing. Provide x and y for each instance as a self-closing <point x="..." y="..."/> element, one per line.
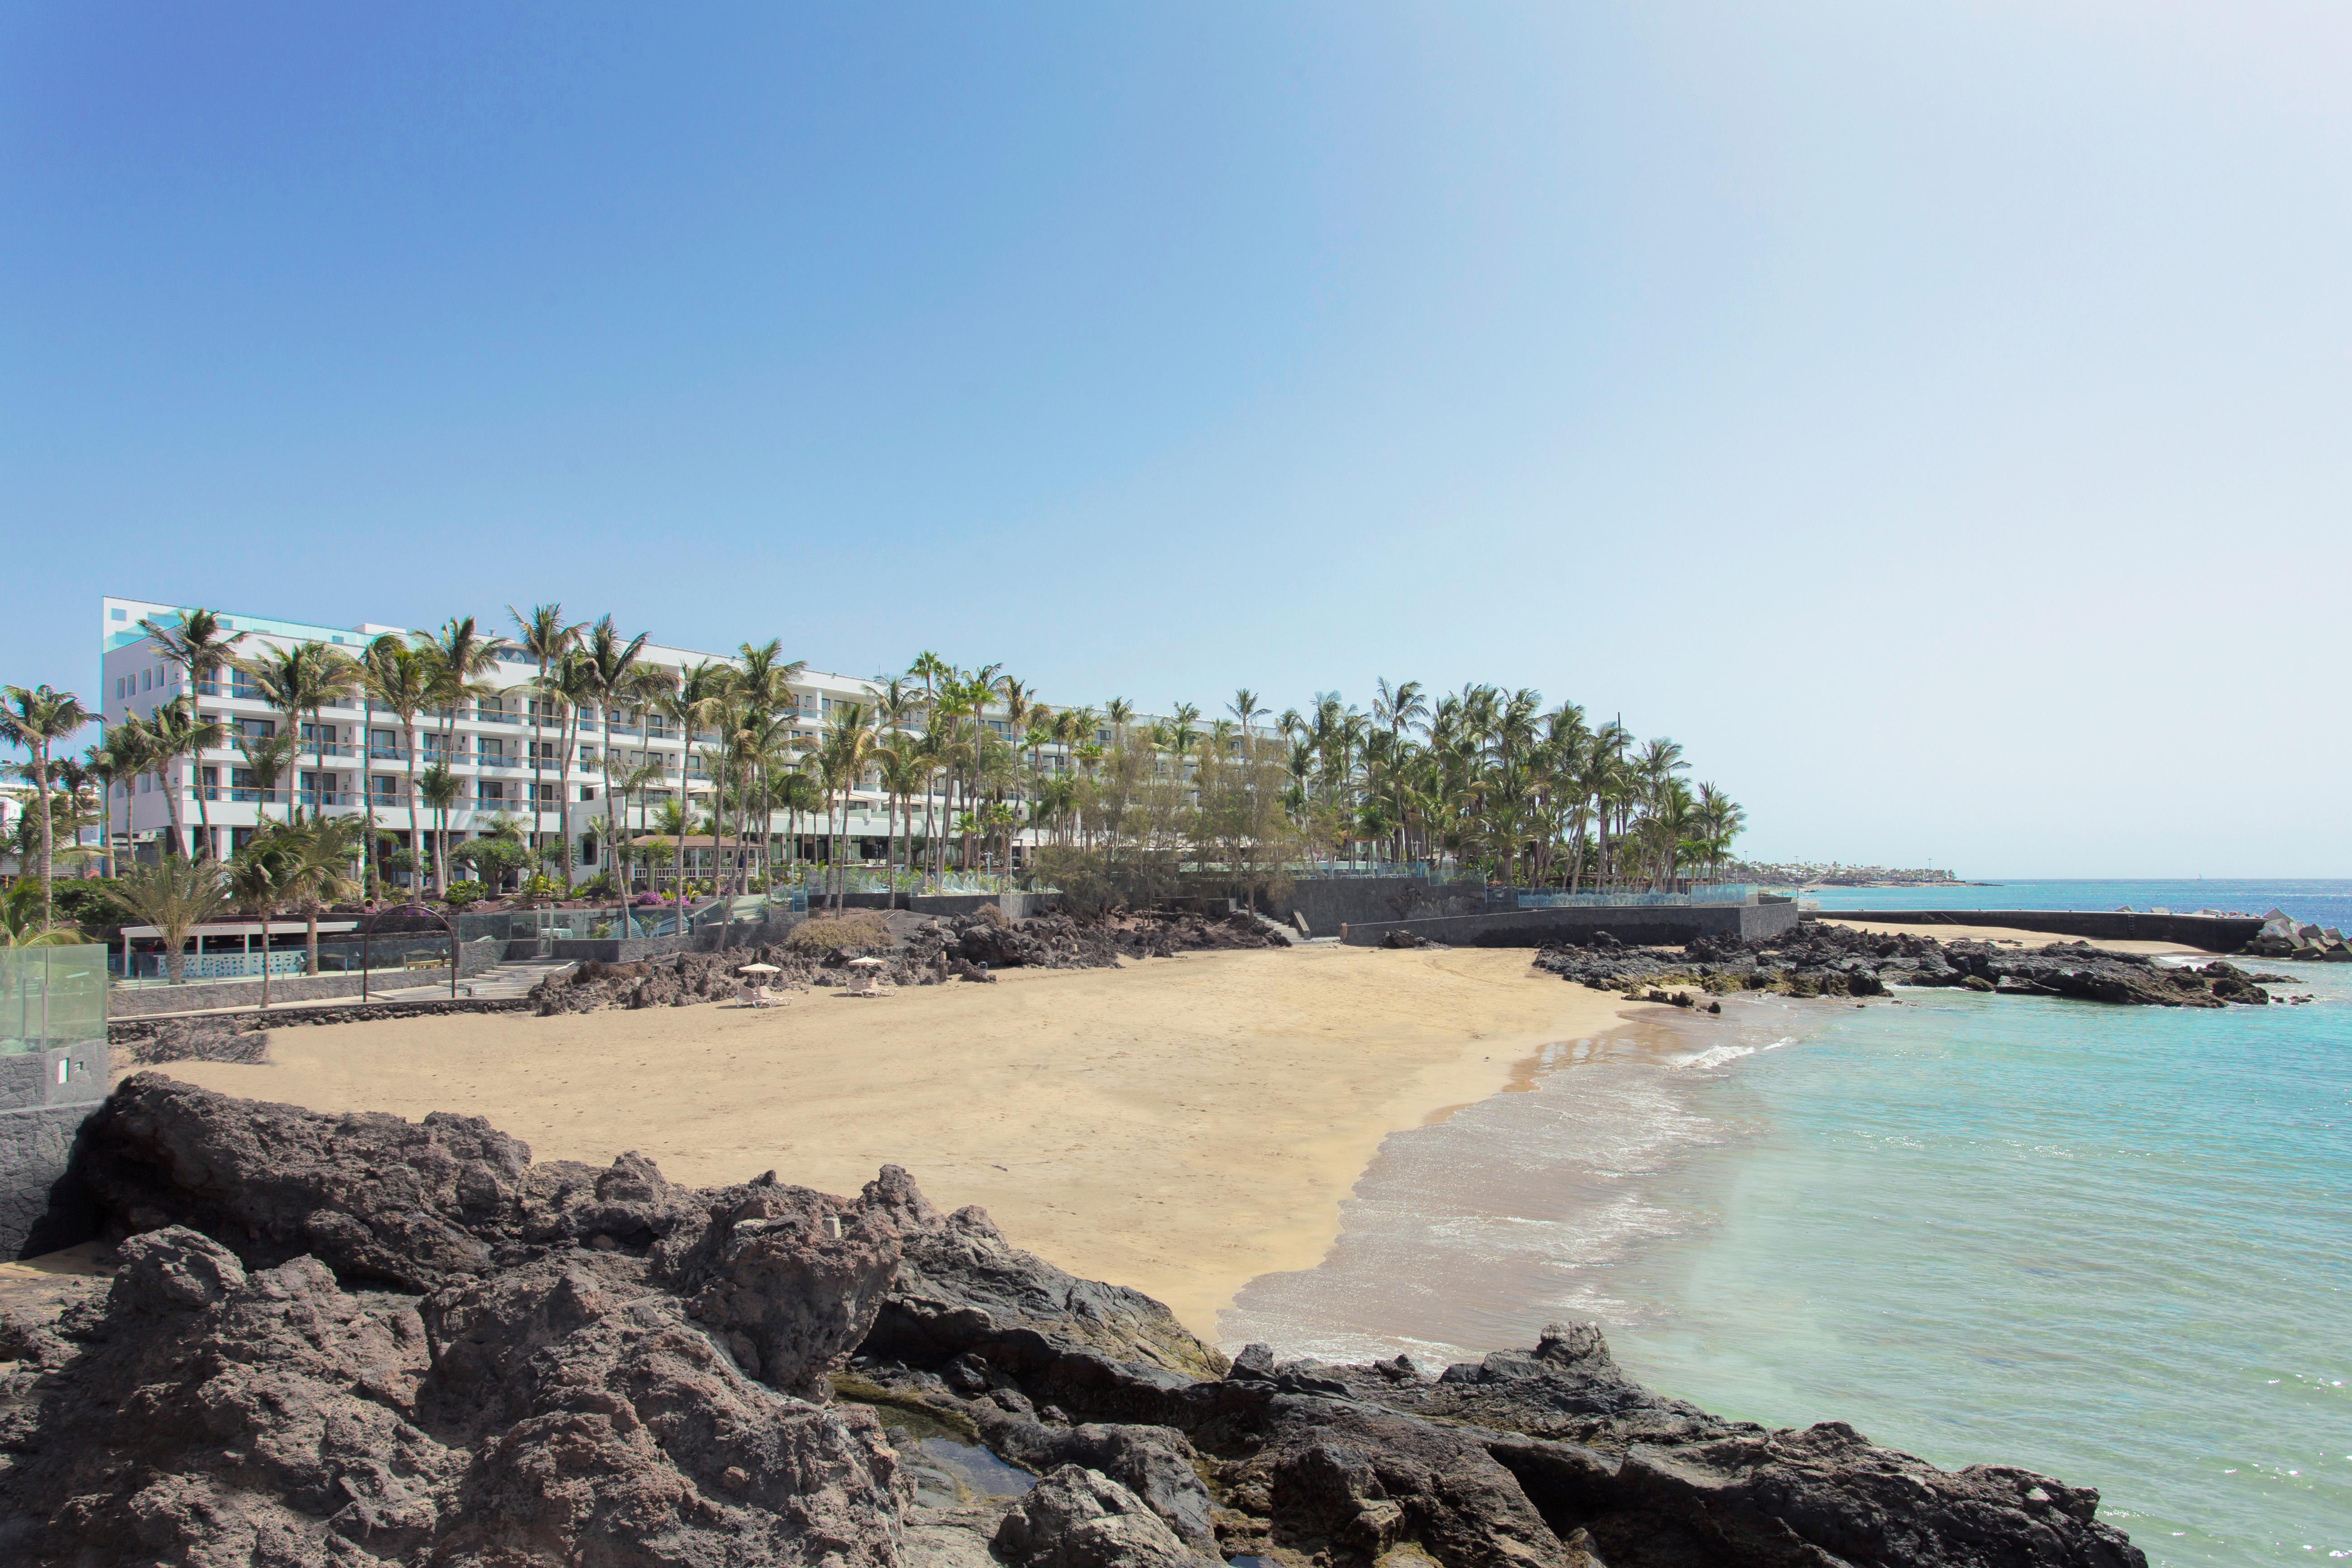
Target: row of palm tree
<point x="964" y="760"/>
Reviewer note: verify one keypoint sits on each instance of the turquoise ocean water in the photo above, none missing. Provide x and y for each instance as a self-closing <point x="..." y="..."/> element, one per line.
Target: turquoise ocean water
<point x="2111" y="1243"/>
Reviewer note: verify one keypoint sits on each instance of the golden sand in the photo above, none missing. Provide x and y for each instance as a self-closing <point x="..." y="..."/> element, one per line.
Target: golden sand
<point x="2006" y="934"/>
<point x="1179" y="1125"/>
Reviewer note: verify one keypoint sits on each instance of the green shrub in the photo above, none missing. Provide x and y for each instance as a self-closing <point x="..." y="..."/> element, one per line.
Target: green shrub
<point x="460" y="894"/>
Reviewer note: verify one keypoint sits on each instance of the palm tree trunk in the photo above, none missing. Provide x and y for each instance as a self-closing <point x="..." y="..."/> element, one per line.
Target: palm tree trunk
<point x="41" y="788"/>
<point x="415" y="834"/>
<point x="264" y="960"/>
<point x="564" y="792"/>
<point x="538" y="820"/>
<point x="366" y="760"/>
<point x="172" y="805"/>
<point x="196" y="771"/>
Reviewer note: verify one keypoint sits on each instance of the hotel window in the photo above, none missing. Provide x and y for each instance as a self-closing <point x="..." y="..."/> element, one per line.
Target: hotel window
<point x="146" y="680"/>
<point x="386" y="787"/>
<point x="491" y="791"/>
<point x="118" y="686"/>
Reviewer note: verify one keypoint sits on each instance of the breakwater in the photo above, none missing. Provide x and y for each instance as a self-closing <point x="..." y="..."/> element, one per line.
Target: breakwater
<point x="2208" y="933"/>
<point x="1652" y="925"/>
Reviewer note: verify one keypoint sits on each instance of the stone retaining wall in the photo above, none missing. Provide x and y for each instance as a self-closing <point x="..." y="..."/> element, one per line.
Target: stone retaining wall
<point x="1326" y="902"/>
<point x="45" y="1095"/>
<point x="1641" y="925"/>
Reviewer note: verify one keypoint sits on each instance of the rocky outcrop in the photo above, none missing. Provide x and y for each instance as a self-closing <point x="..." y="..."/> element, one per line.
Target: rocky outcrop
<point x="1077" y="1518"/>
<point x="1819" y="960"/>
<point x="228" y="1038"/>
<point x="964" y="1291"/>
<point x="2284" y="936"/>
<point x="359" y="1341"/>
<point x="214" y="1414"/>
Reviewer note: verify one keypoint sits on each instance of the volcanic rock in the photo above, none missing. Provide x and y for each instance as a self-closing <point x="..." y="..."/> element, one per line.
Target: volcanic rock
<point x="1821" y="960"/>
<point x="1077" y="1518"/>
<point x="594" y="1367"/>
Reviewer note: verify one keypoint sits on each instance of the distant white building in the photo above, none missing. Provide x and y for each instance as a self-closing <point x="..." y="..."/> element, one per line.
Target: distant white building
<point x="354" y="752"/>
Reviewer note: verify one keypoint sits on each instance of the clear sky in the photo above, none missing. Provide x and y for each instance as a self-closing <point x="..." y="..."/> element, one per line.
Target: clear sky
<point x="1933" y="416"/>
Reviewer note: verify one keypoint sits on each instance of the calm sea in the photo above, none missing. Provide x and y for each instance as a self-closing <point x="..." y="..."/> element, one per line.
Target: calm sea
<point x="2111" y="1243"/>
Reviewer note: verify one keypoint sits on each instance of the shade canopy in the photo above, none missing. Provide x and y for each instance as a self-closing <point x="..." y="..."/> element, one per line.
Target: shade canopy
<point x="758" y="969"/>
<point x="866" y="964"/>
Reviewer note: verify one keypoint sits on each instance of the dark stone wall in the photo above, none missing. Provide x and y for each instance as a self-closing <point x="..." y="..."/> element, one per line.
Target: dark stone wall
<point x="43" y="1094"/>
<point x="1327" y="902"/>
<point x="2210" y="933"/>
<point x="1643" y="925"/>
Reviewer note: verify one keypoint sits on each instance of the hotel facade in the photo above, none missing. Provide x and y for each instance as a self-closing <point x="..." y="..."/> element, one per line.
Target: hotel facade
<point x="354" y="757"/>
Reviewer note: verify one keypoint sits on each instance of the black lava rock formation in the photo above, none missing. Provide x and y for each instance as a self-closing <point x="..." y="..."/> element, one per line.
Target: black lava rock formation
<point x="358" y="1341"/>
<point x="1819" y="960"/>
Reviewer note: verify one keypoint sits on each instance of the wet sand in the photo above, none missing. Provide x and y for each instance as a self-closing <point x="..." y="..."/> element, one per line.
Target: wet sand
<point x="1179" y="1125"/>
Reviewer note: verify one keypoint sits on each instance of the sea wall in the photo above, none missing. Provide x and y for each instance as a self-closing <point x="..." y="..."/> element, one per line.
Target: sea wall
<point x="1328" y="903"/>
<point x="1643" y="925"/>
<point x="2210" y="933"/>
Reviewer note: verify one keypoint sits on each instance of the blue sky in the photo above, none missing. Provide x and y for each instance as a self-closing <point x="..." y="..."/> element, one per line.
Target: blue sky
<point x="1933" y="416"/>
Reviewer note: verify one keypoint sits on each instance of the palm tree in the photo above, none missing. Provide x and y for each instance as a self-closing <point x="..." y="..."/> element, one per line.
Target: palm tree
<point x="905" y="771"/>
<point x="845" y="753"/>
<point x="573" y="685"/>
<point x="21" y="925"/>
<point x="461" y="658"/>
<point x="36" y="718"/>
<point x="765" y="685"/>
<point x="196" y="645"/>
<point x="611" y="664"/>
<point x="401" y="677"/>
<point x="267" y="760"/>
<point x="315" y="871"/>
<point x="795" y="792"/>
<point x="437" y="787"/>
<point x="546" y="638"/>
<point x="1244" y="707"/>
<point x="257" y="878"/>
<point x="303" y="679"/>
<point x="175" y="896"/>
<point x="1720" y="820"/>
<point x="700" y="690"/>
<point x="175" y="731"/>
<point x="115" y="760"/>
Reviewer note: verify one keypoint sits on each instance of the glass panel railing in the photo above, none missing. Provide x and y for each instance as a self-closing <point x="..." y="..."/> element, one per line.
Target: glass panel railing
<point x="51" y="996"/>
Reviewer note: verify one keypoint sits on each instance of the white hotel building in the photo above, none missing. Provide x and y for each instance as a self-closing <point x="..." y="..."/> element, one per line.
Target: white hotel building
<point x="488" y="747"/>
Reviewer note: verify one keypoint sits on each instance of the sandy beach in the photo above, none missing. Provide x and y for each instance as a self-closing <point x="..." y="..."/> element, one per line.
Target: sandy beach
<point x="2007" y="933"/>
<point x="1179" y="1125"/>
